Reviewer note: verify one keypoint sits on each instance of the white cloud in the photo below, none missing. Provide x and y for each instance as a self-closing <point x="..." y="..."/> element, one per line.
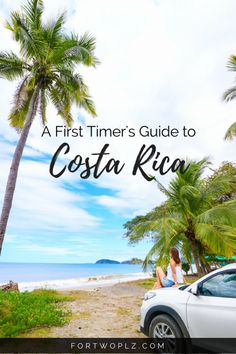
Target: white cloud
<point x="55" y="251"/>
<point x="42" y="203"/>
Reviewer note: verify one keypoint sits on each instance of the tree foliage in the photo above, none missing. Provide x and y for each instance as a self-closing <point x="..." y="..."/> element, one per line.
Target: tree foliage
<point x="48" y="57"/>
<point x="195" y="218"/>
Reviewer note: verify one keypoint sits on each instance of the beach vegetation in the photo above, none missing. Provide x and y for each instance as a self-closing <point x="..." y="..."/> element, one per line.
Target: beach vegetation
<point x="228" y="169"/>
<point x="22" y="312"/>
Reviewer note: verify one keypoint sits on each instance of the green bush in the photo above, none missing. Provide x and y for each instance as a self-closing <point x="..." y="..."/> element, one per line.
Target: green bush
<point x="20" y="312"/>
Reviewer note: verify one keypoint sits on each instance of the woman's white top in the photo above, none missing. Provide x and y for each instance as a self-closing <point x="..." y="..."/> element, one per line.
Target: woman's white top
<point x="179" y="274"/>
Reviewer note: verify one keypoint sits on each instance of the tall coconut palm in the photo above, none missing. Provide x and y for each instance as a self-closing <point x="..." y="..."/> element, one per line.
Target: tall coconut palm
<point x="190" y="218"/>
<point x="46" y="70"/>
<point x="230" y="95"/>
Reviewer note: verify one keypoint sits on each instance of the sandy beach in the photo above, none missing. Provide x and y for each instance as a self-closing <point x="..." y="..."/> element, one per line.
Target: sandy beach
<point x="101" y="306"/>
<point x="101" y="311"/>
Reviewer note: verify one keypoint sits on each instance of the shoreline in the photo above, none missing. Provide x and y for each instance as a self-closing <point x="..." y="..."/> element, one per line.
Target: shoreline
<point x="82" y="283"/>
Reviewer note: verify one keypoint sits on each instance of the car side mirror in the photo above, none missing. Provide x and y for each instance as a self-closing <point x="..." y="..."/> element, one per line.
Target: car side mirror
<point x="195" y="289"/>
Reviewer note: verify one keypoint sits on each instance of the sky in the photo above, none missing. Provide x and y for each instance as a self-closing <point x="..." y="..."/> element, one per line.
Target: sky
<point x="163" y="63"/>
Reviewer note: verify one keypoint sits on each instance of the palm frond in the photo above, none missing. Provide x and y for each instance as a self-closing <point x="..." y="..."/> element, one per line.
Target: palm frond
<point x="75" y="85"/>
<point x="88" y="42"/>
<point x="52" y="32"/>
<point x="11" y="66"/>
<point x="223" y="214"/>
<point x="231" y="132"/>
<point x="165" y="229"/>
<point x="156" y="250"/>
<point x="194" y="172"/>
<point x="186" y="251"/>
<point x="70" y="52"/>
<point x="131" y="233"/>
<point x="219" y="186"/>
<point x="161" y="187"/>
<point x="87" y="104"/>
<point x="31" y="45"/>
<point x="231" y="65"/>
<point x="160" y="251"/>
<point x="189" y="192"/>
<point x="220" y="239"/>
<point x="61" y="100"/>
<point x="21" y="94"/>
<point x="18" y="115"/>
<point x="229" y="94"/>
<point x="82" y="51"/>
<point x="33" y="11"/>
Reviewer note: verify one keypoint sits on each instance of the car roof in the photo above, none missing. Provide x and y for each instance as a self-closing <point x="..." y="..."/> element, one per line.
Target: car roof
<point x="229" y="266"/>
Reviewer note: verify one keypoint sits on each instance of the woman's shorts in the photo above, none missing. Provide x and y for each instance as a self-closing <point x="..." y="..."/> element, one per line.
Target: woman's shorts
<point x="167" y="283"/>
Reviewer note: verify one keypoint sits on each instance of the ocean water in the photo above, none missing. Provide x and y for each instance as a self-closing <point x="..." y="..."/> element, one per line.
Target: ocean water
<point x="33" y="272"/>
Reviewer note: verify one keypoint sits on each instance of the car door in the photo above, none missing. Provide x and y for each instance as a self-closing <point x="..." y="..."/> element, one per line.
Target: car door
<point x="212" y="312"/>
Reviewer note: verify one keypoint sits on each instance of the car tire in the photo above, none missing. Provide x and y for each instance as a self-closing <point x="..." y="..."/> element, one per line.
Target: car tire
<point x="164" y="326"/>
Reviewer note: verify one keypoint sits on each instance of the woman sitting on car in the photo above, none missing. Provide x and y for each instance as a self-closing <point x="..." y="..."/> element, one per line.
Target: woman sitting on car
<point x="174" y="275"/>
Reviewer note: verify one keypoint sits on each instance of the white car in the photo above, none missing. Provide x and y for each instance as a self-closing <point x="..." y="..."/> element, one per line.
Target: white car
<point x="204" y="309"/>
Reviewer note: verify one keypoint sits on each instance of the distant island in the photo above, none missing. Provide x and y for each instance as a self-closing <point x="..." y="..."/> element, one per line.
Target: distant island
<point x="107" y="261"/>
<point x="111" y="261"/>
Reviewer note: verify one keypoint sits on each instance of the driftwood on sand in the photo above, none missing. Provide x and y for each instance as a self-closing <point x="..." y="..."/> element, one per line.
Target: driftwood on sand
<point x="11" y="286"/>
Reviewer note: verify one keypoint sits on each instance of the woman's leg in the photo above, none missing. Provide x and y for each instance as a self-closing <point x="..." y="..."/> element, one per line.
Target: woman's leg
<point x="160" y="275"/>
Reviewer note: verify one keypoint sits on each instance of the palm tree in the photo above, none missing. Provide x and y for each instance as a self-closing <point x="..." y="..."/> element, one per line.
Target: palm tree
<point x="46" y="69"/>
<point x="190" y="219"/>
<point x="230" y="95"/>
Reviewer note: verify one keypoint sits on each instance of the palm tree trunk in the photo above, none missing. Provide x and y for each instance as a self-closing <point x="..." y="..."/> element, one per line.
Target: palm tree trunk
<point x="206" y="265"/>
<point x="12" y="177"/>
<point x="196" y="257"/>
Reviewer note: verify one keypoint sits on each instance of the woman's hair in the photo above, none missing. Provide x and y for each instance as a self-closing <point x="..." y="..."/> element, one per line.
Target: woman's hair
<point x="175" y="255"/>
